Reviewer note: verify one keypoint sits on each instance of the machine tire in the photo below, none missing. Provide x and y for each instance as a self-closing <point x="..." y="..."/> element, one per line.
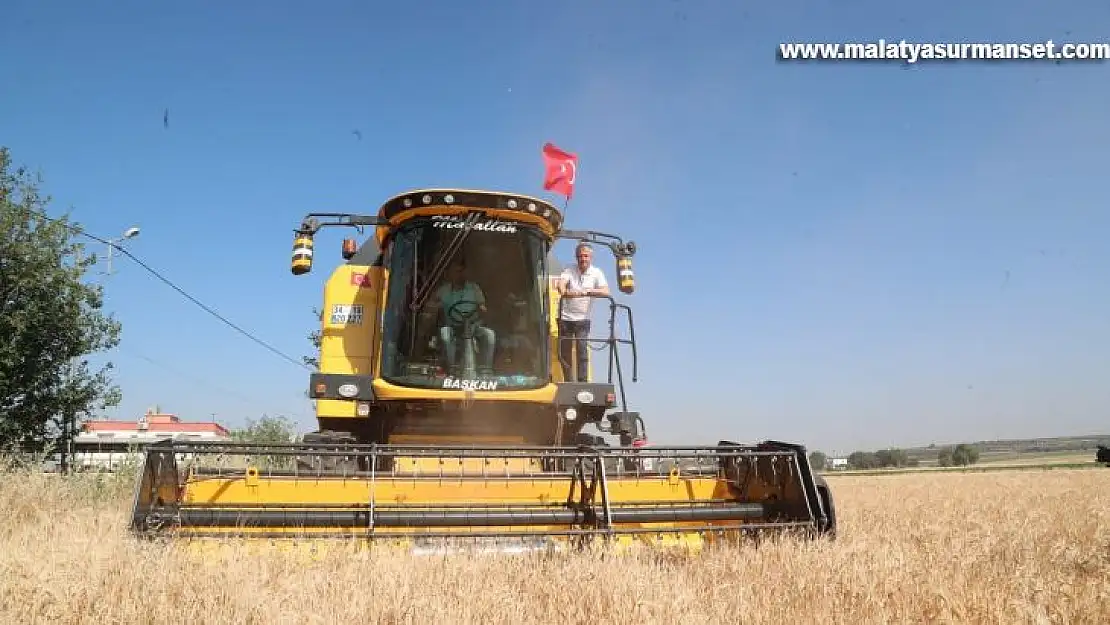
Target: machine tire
<point x="828" y="530"/>
<point x="325" y="438"/>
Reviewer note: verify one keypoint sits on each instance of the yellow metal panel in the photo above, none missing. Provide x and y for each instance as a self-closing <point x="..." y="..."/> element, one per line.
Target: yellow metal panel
<point x="385" y="391"/>
<point x="377" y="347"/>
<point x="337" y="408"/>
<point x="416" y="439"/>
<point x="412" y="465"/>
<point x="347" y="347"/>
<point x="429" y="488"/>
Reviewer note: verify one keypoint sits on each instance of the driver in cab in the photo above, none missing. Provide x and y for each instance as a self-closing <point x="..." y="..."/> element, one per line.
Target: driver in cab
<point x="462" y="301"/>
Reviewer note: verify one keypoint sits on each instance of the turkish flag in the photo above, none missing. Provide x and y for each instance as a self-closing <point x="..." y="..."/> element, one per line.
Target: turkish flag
<point x="561" y="170"/>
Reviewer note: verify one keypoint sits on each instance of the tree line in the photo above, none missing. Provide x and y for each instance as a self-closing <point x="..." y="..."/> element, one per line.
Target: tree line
<point x="948" y="456"/>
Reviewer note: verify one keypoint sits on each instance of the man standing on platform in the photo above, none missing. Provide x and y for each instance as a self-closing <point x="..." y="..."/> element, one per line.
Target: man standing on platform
<point x="577" y="287"/>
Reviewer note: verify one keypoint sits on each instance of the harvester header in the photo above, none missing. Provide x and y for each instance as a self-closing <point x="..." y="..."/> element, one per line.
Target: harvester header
<point x="449" y="406"/>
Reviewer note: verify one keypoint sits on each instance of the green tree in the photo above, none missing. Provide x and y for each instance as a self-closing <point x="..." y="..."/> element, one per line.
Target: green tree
<point x="314" y="338"/>
<point x="269" y="431"/>
<point x="961" y="455"/>
<point x="50" y="321"/>
<point x="818" y="460"/>
<point x="266" y="430"/>
<point x="965" y="455"/>
<point x="863" y="460"/>
<point x="892" y="458"/>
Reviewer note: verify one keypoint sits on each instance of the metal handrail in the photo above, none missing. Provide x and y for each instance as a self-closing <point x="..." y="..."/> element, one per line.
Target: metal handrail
<point x="612" y="341"/>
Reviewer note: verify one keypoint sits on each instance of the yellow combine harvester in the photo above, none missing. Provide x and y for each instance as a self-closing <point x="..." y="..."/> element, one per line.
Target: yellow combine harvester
<point x="444" y="415"/>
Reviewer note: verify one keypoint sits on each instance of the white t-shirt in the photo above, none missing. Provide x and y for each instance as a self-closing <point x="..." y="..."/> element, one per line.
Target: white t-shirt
<point x="579" y="308"/>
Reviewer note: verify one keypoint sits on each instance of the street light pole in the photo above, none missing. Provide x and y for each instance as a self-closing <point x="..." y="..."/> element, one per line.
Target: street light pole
<point x="69" y="422"/>
<point x="130" y="233"/>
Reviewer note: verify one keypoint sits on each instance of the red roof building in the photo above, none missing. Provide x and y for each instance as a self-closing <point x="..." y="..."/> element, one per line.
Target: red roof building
<point x="152" y="424"/>
<point x="103" y="444"/>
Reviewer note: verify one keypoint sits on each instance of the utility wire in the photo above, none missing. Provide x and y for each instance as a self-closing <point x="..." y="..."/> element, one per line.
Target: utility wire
<point x="173" y="286"/>
<point x="202" y="382"/>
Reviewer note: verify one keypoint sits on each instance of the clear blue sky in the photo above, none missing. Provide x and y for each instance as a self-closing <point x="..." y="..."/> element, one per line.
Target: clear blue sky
<point x="871" y="255"/>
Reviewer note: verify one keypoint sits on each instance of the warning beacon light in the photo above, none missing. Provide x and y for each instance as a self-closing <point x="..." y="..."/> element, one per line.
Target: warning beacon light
<point x="626" y="280"/>
<point x="302" y="253"/>
<point x="303" y="242"/>
<point x="349" y="249"/>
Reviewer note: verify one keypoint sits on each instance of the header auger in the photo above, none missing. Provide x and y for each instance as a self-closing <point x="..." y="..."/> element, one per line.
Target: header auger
<point x="444" y="412"/>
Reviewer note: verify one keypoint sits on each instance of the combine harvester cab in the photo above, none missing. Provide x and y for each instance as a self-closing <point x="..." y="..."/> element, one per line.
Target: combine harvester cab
<point x="445" y="418"/>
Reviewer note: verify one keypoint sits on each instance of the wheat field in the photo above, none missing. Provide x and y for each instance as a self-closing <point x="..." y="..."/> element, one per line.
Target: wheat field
<point x="1015" y="547"/>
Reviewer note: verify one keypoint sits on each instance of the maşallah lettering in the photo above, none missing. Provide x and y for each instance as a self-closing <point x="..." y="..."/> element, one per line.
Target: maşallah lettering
<point x="470" y="385"/>
<point x="488" y="226"/>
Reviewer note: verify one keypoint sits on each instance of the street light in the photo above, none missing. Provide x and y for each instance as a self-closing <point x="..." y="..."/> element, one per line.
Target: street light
<point x="130" y="233"/>
<point x="69" y="425"/>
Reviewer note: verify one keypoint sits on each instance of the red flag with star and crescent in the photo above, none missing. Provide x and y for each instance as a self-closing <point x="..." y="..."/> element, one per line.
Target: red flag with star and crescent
<point x="561" y="170"/>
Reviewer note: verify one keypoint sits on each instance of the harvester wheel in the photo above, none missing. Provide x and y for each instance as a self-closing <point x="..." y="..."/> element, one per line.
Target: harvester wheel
<point x="327" y="464"/>
<point x="825" y="493"/>
<point x="583" y="439"/>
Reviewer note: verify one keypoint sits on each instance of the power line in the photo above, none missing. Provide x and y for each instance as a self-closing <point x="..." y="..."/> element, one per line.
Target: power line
<point x="173" y="286"/>
<point x="208" y="384"/>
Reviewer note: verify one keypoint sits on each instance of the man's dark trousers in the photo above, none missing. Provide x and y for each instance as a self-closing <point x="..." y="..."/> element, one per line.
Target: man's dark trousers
<point x="572" y="335"/>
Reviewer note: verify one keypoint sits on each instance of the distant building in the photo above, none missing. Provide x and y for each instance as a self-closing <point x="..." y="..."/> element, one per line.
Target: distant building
<point x="838" y="464"/>
<point x="105" y="445"/>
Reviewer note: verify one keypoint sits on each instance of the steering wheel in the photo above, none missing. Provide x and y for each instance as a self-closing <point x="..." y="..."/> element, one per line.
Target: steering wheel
<point x="462" y="312"/>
